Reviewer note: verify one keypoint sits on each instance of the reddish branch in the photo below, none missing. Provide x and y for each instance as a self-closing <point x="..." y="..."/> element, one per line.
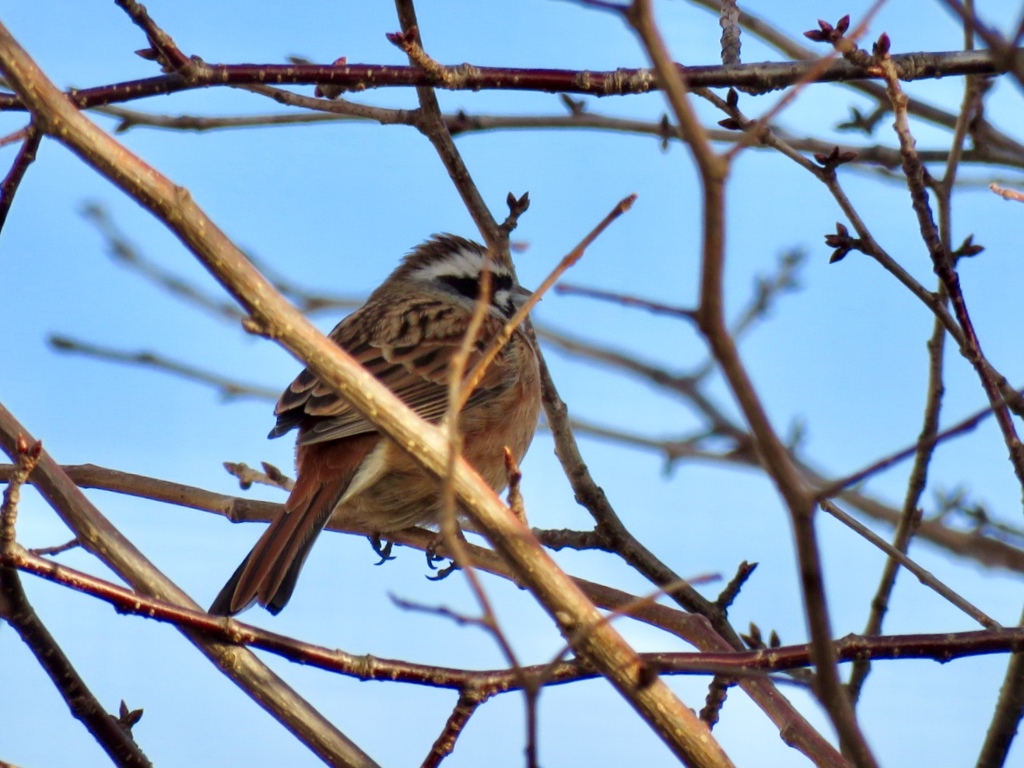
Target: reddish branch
<point x="943" y="261"/>
<point x="942" y="647"/>
<point x="99" y="537"/>
<point x="468" y="703"/>
<point x="692" y="629"/>
<point x="113" y="735"/>
<point x="764" y="76"/>
<point x="9" y="186"/>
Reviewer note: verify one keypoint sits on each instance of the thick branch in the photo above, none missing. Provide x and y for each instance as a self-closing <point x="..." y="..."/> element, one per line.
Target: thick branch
<point x="577" y="618"/>
<point x="98" y="536"/>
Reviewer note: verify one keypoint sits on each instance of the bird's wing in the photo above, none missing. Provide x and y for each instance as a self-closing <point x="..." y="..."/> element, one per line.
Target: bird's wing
<point x="409" y="352"/>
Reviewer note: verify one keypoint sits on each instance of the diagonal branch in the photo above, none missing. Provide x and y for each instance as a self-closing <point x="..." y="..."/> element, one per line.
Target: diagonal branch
<point x="944" y="266"/>
<point x="595" y="640"/>
<point x="99" y="537"/>
<point x="711" y="320"/>
<point x="798" y="733"/>
<point x="113" y="736"/>
<point x="26" y="156"/>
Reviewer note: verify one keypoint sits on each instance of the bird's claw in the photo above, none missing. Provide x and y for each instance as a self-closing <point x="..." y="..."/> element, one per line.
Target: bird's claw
<point x="382" y="548"/>
<point x="433" y="558"/>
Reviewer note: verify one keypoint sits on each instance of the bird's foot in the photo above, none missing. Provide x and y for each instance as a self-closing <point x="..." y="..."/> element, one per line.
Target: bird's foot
<point x="382" y="548"/>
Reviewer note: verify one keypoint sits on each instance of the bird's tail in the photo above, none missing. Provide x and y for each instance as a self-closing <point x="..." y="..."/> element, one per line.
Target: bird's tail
<point x="269" y="572"/>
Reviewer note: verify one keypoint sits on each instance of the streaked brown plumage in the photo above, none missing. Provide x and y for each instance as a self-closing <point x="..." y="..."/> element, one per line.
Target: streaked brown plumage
<point x="405" y="334"/>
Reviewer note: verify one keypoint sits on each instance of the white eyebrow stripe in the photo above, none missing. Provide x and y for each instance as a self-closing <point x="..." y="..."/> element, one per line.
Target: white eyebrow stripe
<point x="460" y="263"/>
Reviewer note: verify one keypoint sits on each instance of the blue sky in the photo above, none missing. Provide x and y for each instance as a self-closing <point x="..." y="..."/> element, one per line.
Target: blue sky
<point x="334" y="207"/>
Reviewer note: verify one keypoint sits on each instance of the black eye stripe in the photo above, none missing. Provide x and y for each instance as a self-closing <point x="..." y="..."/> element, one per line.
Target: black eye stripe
<point x="470" y="286"/>
<point x="467" y="286"/>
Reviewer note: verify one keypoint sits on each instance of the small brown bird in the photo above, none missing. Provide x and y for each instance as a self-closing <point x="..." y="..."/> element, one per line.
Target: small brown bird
<point x="405" y="335"/>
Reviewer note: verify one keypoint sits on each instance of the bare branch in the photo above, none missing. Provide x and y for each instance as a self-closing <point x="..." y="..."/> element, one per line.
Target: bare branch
<point x="711" y="321"/>
<point x="763" y="76"/>
<point x="924" y="576"/>
<point x="26" y="156"/>
<point x="227" y="388"/>
<point x="468" y="703"/>
<point x="943" y="262"/>
<point x="561" y="597"/>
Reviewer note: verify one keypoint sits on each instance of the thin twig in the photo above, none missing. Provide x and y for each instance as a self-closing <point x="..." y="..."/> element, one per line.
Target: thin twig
<point x="431" y="124"/>
<point x="125" y="252"/>
<point x="130" y="256"/>
<point x="1007" y="715"/>
<point x="626" y="300"/>
<point x="56" y="549"/>
<point x="459" y="123"/>
<point x="961" y="427"/>
<point x="115" y="739"/>
<point x="711" y="321"/>
<point x="729" y="21"/>
<point x="475" y="376"/>
<point x="26" y="455"/>
<point x="1008" y="194"/>
<point x="468" y="703"/>
<point x="227" y="388"/>
<point x="910" y="516"/>
<point x="923" y="575"/>
<point x="943" y="264"/>
<point x="9" y="186"/>
<point x="270" y="475"/>
<point x="164" y="48"/>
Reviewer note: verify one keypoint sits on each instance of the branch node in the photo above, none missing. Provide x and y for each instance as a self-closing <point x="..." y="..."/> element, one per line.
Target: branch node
<point x="516" y="208"/>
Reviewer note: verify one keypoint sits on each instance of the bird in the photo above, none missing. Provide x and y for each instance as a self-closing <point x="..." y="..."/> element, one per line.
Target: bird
<point x="405" y="335"/>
